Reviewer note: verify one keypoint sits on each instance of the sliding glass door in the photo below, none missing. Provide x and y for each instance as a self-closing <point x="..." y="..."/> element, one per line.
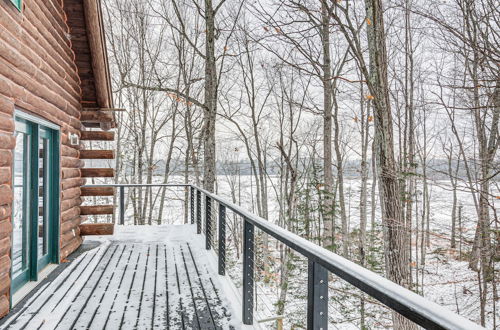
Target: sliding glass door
<point x="35" y="209"/>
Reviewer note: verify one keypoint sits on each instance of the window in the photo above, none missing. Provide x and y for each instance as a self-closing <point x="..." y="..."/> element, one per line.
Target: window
<point x="17" y="3"/>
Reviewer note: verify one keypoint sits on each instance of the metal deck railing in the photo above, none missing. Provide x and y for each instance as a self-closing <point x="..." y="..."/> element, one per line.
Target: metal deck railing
<point x="321" y="261"/>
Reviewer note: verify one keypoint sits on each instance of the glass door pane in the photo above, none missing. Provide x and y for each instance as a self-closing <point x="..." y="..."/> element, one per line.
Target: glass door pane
<point x="20" y="214"/>
<point x="42" y="198"/>
<point x="47" y="196"/>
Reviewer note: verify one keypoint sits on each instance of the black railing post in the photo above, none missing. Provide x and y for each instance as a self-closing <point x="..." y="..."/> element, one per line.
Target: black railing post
<point x="191" y="195"/>
<point x="198" y="212"/>
<point x="317" y="297"/>
<point x="248" y="271"/>
<point x="222" y="239"/>
<point x="122" y="205"/>
<point x="208" y="223"/>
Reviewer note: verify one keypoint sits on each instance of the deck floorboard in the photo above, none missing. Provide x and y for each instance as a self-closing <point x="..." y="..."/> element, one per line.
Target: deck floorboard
<point x="128" y="284"/>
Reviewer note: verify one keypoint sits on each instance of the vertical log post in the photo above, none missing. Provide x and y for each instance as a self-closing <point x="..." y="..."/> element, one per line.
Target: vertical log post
<point x="222" y="239"/>
<point x="198" y="212"/>
<point x="248" y="272"/>
<point x="122" y="205"/>
<point x="192" y="204"/>
<point x="317" y="297"/>
<point x="208" y="223"/>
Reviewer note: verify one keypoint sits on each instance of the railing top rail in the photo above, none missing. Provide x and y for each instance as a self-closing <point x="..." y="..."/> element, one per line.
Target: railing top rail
<point x="409" y="304"/>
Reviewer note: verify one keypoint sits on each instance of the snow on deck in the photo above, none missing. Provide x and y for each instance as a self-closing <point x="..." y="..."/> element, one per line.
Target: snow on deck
<point x="148" y="277"/>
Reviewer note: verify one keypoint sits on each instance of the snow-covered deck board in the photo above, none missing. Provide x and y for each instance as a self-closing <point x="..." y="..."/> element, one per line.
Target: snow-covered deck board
<point x="141" y="278"/>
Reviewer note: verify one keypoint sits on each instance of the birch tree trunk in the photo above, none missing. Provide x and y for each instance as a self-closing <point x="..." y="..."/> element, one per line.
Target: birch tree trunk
<point x="210" y="99"/>
<point x="328" y="220"/>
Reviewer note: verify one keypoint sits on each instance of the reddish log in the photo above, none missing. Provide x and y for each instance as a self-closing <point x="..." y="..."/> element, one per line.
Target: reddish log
<point x="98" y="136"/>
<point x="98" y="172"/>
<point x="33" y="103"/>
<point x="69" y="162"/>
<point x="71" y="183"/>
<point x="5" y="194"/>
<point x="4" y="246"/>
<point x="6" y="105"/>
<point x="70" y="214"/>
<point x="97" y="191"/>
<point x="35" y="89"/>
<point x="96" y="209"/>
<point x="97" y="154"/>
<point x="8" y="91"/>
<point x="70" y="193"/>
<point x="68" y="173"/>
<point x="69" y="151"/>
<point x="35" y="46"/>
<point x="70" y="246"/>
<point x="105" y="109"/>
<point x="41" y="14"/>
<point x="5" y="212"/>
<point x="5" y="158"/>
<point x="39" y="77"/>
<point x="5" y="228"/>
<point x="6" y="123"/>
<point x="5" y="175"/>
<point x="4" y="265"/>
<point x="68" y="225"/>
<point x="4" y="306"/>
<point x="70" y="203"/>
<point x="69" y="235"/>
<point x="87" y="229"/>
<point x="96" y="117"/>
<point x="7" y="141"/>
<point x="4" y="284"/>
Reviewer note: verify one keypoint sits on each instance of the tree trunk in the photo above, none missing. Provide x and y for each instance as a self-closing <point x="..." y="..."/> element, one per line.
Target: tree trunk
<point x="395" y="232"/>
<point x="210" y="99"/>
<point x="328" y="219"/>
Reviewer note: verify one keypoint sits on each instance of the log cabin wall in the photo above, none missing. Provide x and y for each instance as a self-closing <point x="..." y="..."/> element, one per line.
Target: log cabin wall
<point x="45" y="70"/>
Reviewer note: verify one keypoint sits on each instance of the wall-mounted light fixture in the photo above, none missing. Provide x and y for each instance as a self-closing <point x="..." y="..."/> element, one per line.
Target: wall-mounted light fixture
<point x="74" y="140"/>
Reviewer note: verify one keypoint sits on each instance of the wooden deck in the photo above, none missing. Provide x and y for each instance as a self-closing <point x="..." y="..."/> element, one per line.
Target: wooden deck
<point x="155" y="280"/>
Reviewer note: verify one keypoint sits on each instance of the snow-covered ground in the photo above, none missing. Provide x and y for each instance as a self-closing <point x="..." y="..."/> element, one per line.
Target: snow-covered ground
<point x="447" y="280"/>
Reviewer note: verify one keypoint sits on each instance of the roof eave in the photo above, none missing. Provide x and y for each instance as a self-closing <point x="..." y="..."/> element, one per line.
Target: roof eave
<point x="97" y="43"/>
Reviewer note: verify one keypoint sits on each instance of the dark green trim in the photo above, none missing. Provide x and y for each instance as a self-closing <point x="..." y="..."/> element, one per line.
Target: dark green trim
<point x="17" y="3"/>
<point x="55" y="206"/>
<point x="33" y="207"/>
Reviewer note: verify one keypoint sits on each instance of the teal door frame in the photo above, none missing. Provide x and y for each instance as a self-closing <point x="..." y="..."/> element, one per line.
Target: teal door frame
<point x="37" y="130"/>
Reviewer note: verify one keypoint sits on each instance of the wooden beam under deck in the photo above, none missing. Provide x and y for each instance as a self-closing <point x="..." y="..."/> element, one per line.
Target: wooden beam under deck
<point x="104" y="109"/>
<point x="97" y="191"/>
<point x="97" y="172"/>
<point x="97" y="136"/>
<point x="87" y="229"/>
<point x="96" y="117"/>
<point x="97" y="154"/>
<point x="96" y="210"/>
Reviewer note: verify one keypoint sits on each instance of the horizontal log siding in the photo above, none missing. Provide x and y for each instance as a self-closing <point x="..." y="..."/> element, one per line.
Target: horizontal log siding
<point x="39" y="74"/>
